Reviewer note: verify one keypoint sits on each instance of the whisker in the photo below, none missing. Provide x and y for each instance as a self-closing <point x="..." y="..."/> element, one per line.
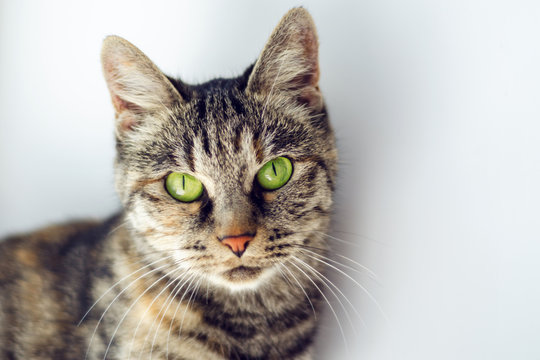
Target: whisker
<point x="187" y="306"/>
<point x="115" y="284"/>
<point x="371" y="272"/>
<point x="365" y="268"/>
<point x="301" y="287"/>
<point x="359" y="236"/>
<point x="286" y="278"/>
<point x="163" y="315"/>
<point x="146" y="338"/>
<point x="143" y="255"/>
<point x="337" y="239"/>
<point x="327" y="301"/>
<point x="372" y="298"/>
<point x="131" y="306"/>
<point x="115" y="229"/>
<point x="112" y="302"/>
<point x="324" y="280"/>
<point x="327" y="281"/>
<point x="347" y="242"/>
<point x="175" y="294"/>
<point x="190" y="279"/>
<point x="169" y="283"/>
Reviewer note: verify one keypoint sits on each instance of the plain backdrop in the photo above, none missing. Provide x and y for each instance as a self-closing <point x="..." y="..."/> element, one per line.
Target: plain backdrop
<point x="436" y="109"/>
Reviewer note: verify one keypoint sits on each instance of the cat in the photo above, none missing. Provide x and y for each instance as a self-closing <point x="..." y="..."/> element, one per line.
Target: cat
<point x="226" y="190"/>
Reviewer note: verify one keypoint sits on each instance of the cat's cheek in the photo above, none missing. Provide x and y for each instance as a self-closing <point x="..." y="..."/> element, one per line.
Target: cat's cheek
<point x="141" y="221"/>
<point x="269" y="196"/>
<point x="180" y="218"/>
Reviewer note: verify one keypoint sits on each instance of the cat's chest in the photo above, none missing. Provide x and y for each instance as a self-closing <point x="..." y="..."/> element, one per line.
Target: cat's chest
<point x="208" y="329"/>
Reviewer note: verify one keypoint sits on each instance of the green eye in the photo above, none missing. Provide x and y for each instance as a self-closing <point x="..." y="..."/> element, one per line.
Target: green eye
<point x="275" y="173"/>
<point x="183" y="187"/>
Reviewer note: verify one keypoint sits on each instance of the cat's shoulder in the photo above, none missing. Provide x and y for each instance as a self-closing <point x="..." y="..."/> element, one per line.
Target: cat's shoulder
<point x="50" y="244"/>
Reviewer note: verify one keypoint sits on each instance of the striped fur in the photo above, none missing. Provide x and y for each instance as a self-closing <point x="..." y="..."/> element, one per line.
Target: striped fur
<point x="155" y="280"/>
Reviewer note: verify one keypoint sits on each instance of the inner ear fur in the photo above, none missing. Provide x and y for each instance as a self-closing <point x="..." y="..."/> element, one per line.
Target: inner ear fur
<point x="137" y="87"/>
<point x="289" y="61"/>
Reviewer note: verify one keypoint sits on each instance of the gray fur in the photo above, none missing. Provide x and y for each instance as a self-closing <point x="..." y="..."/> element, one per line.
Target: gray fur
<point x="193" y="298"/>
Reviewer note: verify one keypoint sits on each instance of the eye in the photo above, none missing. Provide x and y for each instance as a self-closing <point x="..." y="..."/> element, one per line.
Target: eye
<point x="275" y="173"/>
<point x="183" y="187"/>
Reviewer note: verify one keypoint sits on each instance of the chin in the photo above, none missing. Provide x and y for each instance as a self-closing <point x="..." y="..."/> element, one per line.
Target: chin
<point x="242" y="278"/>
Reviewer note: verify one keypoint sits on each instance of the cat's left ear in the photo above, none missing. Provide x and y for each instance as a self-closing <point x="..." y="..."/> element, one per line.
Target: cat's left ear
<point x="289" y="64"/>
<point x="138" y="88"/>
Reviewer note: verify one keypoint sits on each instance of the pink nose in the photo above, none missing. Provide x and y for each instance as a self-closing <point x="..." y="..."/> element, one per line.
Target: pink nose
<point x="237" y="243"/>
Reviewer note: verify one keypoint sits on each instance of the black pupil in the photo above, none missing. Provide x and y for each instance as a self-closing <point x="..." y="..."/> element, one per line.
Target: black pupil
<point x="183" y="182"/>
<point x="274" y="168"/>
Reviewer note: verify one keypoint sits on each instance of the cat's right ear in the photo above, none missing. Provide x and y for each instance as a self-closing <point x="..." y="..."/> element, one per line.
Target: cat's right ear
<point x="138" y="88"/>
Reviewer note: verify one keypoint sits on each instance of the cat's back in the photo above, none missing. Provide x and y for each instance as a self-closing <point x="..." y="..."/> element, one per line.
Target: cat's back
<point x="44" y="283"/>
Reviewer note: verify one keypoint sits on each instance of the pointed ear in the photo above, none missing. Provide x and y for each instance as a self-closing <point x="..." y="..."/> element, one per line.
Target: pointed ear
<point x="288" y="64"/>
<point x="138" y="88"/>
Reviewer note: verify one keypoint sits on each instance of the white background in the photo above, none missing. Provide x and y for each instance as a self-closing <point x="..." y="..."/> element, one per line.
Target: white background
<point x="436" y="106"/>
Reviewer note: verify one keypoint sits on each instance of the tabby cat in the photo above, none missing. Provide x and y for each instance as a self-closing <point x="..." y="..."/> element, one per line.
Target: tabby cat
<point x="226" y="190"/>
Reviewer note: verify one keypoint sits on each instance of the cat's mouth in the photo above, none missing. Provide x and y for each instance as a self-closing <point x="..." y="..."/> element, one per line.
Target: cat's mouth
<point x="242" y="273"/>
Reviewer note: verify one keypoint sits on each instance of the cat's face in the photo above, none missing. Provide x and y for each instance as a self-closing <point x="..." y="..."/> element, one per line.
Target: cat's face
<point x="220" y="135"/>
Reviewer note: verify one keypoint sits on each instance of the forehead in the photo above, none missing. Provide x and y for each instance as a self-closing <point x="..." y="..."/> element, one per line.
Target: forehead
<point x="222" y="120"/>
<point x="228" y="131"/>
<point x="219" y="136"/>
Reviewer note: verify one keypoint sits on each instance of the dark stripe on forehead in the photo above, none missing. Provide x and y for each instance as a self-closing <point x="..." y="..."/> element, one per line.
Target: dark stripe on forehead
<point x="218" y="138"/>
<point x="201" y="109"/>
<point x="236" y="104"/>
<point x="159" y="155"/>
<point x="224" y="104"/>
<point x="291" y="135"/>
<point x="187" y="144"/>
<point x="205" y="141"/>
<point x="257" y="146"/>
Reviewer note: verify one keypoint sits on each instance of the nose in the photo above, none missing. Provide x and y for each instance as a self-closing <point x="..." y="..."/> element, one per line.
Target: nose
<point x="237" y="243"/>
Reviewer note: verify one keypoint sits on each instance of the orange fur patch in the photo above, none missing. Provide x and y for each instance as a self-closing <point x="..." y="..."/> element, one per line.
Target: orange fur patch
<point x="27" y="257"/>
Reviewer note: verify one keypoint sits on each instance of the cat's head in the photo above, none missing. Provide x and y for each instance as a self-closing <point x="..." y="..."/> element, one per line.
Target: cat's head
<point x="231" y="178"/>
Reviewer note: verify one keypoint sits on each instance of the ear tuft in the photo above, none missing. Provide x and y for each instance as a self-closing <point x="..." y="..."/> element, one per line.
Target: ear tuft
<point x="137" y="86"/>
<point x="289" y="62"/>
